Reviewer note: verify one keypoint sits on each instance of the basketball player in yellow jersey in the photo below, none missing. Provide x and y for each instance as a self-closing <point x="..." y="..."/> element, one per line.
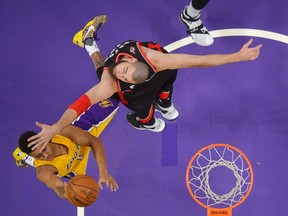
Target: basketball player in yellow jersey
<point x="67" y="153"/>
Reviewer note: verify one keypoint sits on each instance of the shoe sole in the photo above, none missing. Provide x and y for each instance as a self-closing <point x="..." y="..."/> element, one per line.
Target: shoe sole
<point x="151" y="129"/>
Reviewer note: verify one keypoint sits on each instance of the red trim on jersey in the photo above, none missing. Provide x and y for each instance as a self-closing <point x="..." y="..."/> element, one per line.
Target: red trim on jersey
<point x="139" y="45"/>
<point x="81" y="104"/>
<point x="155" y="46"/>
<point x="121" y="55"/>
<point x="121" y="96"/>
<point x="118" y="85"/>
<point x="163" y="95"/>
<point x="149" y="117"/>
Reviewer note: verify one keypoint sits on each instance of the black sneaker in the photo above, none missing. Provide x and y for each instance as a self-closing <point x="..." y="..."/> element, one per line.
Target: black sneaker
<point x="157" y="126"/>
<point x="196" y="29"/>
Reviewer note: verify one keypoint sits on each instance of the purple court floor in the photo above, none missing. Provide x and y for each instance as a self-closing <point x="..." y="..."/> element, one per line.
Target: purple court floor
<point x="243" y="104"/>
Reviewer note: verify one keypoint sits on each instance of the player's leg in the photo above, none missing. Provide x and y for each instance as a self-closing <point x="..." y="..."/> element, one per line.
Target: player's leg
<point x="163" y="102"/>
<point x="88" y="37"/>
<point x="190" y="17"/>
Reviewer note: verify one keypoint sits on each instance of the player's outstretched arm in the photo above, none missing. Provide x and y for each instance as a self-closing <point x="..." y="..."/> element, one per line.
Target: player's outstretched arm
<point x="46" y="174"/>
<point x="81" y="137"/>
<point x="48" y="131"/>
<point x="103" y="90"/>
<point x="164" y="61"/>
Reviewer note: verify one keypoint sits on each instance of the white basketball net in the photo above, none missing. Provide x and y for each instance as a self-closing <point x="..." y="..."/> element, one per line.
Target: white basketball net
<point x="208" y="160"/>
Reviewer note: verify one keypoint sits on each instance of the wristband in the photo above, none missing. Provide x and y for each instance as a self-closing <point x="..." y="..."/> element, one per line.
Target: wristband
<point x="81" y="104"/>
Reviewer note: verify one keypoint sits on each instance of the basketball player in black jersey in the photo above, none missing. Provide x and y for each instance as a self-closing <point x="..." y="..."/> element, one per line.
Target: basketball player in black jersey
<point x="142" y="76"/>
<point x="143" y="91"/>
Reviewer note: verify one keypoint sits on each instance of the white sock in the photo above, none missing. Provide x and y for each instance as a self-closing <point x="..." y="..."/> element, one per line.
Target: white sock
<point x="192" y="11"/>
<point x="91" y="48"/>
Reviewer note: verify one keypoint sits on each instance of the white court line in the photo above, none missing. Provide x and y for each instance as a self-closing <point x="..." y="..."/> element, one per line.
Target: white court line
<point x="228" y="33"/>
<point x="80" y="211"/>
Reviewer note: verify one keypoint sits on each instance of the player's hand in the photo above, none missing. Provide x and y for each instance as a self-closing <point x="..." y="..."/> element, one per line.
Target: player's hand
<point x="43" y="138"/>
<point x="246" y="53"/>
<point x="109" y="180"/>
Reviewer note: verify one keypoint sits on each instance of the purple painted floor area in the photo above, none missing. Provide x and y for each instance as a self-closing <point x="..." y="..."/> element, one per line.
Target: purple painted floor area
<point x="243" y="104"/>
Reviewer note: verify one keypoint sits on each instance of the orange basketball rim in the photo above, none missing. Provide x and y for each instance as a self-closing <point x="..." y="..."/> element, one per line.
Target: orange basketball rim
<point x="198" y="178"/>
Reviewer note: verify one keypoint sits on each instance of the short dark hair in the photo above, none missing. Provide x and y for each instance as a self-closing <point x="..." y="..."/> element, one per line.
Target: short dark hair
<point x="23" y="141"/>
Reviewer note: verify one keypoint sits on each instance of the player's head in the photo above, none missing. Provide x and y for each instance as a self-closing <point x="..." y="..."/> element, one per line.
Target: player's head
<point x="23" y="141"/>
<point x="130" y="71"/>
<point x="45" y="154"/>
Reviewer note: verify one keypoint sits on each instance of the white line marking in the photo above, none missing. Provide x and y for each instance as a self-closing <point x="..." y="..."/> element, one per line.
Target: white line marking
<point x="228" y="33"/>
<point x="80" y="211"/>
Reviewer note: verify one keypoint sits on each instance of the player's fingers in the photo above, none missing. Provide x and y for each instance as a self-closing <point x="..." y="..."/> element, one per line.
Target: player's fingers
<point x="107" y="183"/>
<point x="36" y="145"/>
<point x="248" y="43"/>
<point x="114" y="184"/>
<point x="100" y="185"/>
<point x="41" y="125"/>
<point x="32" y="139"/>
<point x="31" y="143"/>
<point x="257" y="48"/>
<point x="111" y="185"/>
<point x="38" y="124"/>
<point x="116" y="187"/>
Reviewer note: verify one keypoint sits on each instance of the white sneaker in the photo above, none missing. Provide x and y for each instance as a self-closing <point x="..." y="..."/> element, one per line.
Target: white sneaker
<point x="170" y="113"/>
<point x="196" y="29"/>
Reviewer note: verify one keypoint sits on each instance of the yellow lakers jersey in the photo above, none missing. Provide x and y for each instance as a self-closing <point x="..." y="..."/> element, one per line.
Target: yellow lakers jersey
<point x="75" y="162"/>
<point x="70" y="164"/>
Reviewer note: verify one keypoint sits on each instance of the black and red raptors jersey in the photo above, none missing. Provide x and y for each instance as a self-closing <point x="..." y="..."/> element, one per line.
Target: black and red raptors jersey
<point x="135" y="96"/>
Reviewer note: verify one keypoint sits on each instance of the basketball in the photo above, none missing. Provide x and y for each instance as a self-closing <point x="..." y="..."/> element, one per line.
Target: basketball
<point x="82" y="190"/>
